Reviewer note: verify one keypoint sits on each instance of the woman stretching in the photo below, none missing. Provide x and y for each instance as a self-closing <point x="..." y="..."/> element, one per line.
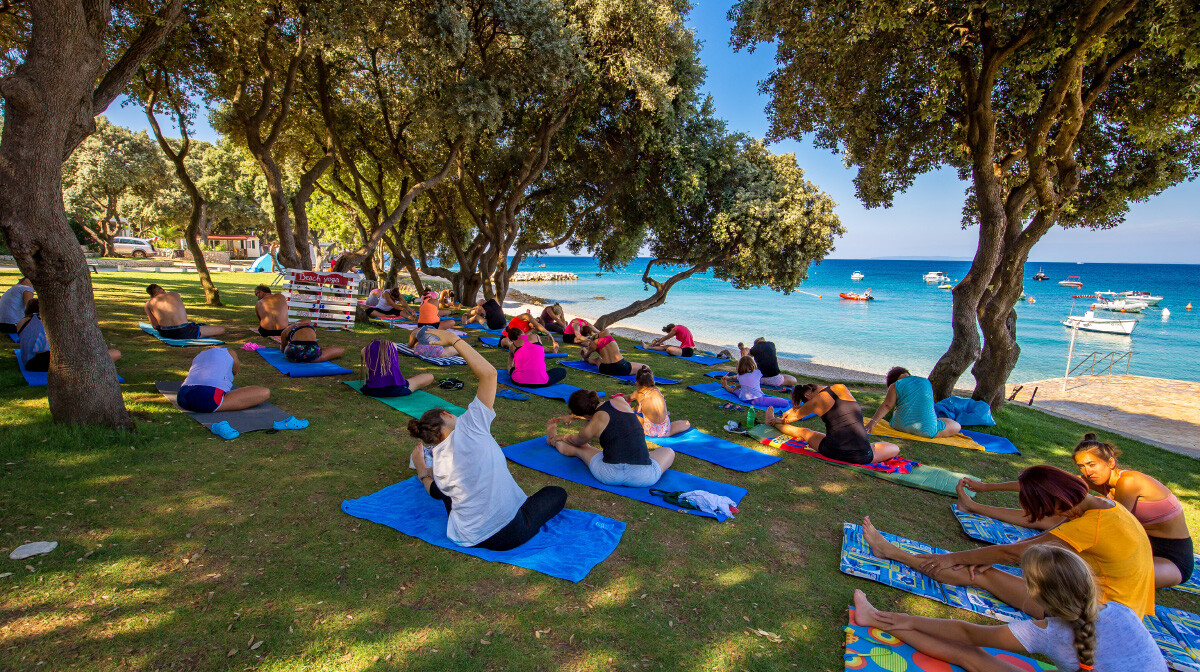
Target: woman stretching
<point x="1151" y="502"/>
<point x="388" y="304"/>
<point x="656" y="421"/>
<point x="686" y="347"/>
<point x="426" y="343"/>
<point x="604" y="352"/>
<point x="623" y="458"/>
<point x="912" y="397"/>
<point x="488" y="313"/>
<point x="578" y="328"/>
<point x="430" y="315"/>
<point x="845" y="438"/>
<point x="526" y="323"/>
<point x="381" y="372"/>
<point x="553" y="318"/>
<point x="1078" y="633"/>
<point x="747" y="385"/>
<point x="298" y="342"/>
<point x="1105" y="534"/>
<point x="527" y="362"/>
<point x="486" y="507"/>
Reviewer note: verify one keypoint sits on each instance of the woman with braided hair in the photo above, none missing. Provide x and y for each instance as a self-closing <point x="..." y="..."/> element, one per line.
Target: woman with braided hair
<point x="1078" y="633"/>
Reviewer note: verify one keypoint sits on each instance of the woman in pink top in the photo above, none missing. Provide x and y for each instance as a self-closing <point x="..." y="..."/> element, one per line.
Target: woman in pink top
<point x="604" y="352"/>
<point x="527" y="362"/>
<point x="577" y="328"/>
<point x="686" y="348"/>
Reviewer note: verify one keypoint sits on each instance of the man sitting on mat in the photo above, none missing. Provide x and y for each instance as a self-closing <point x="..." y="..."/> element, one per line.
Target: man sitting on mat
<point x="469" y="474"/>
<point x="166" y="313"/>
<point x="272" y="311"/>
<point x="486" y="312"/>
<point x="912" y="397"/>
<point x="763" y="352"/>
<point x="527" y="362"/>
<point x="623" y="457"/>
<point x="208" y="387"/>
<point x="382" y="375"/>
<point x="13" y="303"/>
<point x="35" y="349"/>
<point x="298" y="343"/>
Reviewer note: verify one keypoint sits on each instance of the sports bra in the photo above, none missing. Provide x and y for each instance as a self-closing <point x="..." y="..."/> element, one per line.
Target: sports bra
<point x="1150" y="513"/>
<point x="603" y="341"/>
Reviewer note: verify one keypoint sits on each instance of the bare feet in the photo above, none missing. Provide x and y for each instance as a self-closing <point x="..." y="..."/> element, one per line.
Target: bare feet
<point x="965" y="503"/>
<point x="882" y="548"/>
<point x="771" y="419"/>
<point x="864" y="612"/>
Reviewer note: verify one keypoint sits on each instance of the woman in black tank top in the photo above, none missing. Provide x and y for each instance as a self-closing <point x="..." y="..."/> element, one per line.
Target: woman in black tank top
<point x="845" y="438"/>
<point x="623" y="457"/>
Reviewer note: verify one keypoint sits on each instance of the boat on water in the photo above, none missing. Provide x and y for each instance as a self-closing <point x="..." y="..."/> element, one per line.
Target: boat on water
<point x="857" y="275"/>
<point x="1071" y="281"/>
<point x="1145" y="297"/>
<point x="865" y="296"/>
<point x="936" y="276"/>
<point x="1119" y="306"/>
<point x="1040" y="275"/>
<point x="1089" y="322"/>
<point x="945" y="285"/>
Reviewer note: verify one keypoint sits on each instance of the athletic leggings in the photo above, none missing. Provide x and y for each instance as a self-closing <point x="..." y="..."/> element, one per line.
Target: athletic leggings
<point x="538" y="508"/>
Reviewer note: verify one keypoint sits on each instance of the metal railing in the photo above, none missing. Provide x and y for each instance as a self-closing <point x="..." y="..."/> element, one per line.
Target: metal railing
<point x="1097" y="360"/>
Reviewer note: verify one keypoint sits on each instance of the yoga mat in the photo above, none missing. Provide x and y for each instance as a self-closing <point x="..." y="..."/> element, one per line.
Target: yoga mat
<point x="561" y="391"/>
<point x="592" y="368"/>
<point x="178" y="342"/>
<point x="715" y="390"/>
<point x="413" y="404"/>
<point x="537" y="454"/>
<point x="772" y="437"/>
<point x="773" y="388"/>
<point x="714" y="449"/>
<point x="568" y="546"/>
<point x="411" y="326"/>
<point x="276" y="359"/>
<point x="1177" y="634"/>
<point x="439" y="361"/>
<point x="965" y="439"/>
<point x="480" y="327"/>
<point x="495" y="343"/>
<point x="698" y="359"/>
<point x="874" y="650"/>
<point x="995" y="531"/>
<point x="39" y="378"/>
<point x="253" y="419"/>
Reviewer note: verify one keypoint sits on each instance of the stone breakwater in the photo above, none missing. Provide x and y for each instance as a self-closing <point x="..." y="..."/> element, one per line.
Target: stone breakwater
<point x="541" y="276"/>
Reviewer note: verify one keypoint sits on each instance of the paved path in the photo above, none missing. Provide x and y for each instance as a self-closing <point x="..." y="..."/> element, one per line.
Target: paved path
<point x="1164" y="413"/>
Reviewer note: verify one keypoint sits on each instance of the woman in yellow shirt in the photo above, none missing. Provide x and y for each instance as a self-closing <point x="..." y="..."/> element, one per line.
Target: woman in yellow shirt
<point x="1101" y="531"/>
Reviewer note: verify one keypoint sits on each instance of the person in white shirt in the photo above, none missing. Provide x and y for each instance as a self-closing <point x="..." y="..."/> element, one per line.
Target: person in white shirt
<point x="13" y="303"/>
<point x="208" y="387"/>
<point x="486" y="507"/>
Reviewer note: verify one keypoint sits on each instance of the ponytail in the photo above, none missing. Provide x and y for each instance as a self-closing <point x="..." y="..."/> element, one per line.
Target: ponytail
<point x="428" y="427"/>
<point x="1062" y="582"/>
<point x="1101" y="449"/>
<point x="799" y="393"/>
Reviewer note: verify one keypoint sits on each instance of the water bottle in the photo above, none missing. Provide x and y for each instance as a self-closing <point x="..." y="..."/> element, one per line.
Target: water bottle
<point x="750" y="417"/>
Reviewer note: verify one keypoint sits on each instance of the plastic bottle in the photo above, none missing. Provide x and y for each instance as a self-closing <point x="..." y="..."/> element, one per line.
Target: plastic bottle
<point x="750" y="418"/>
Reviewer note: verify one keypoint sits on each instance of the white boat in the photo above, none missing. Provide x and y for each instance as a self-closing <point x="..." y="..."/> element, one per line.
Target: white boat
<point x="1145" y="297"/>
<point x="1071" y="281"/>
<point x="936" y="276"/>
<point x="1119" y="306"/>
<point x="857" y="275"/>
<point x="945" y="285"/>
<point x="1089" y="322"/>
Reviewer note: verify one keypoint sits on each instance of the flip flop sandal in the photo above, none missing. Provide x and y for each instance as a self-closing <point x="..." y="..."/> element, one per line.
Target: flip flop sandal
<point x="730" y="407"/>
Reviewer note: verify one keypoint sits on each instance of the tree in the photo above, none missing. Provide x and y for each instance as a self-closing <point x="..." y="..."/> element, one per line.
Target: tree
<point x="104" y="176"/>
<point x="66" y="62"/>
<point x="1056" y="113"/>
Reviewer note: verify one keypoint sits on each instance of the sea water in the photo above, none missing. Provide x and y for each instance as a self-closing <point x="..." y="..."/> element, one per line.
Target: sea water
<point x="908" y="323"/>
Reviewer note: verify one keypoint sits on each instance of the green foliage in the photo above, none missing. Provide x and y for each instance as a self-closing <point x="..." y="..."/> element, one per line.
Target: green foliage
<point x="112" y="174"/>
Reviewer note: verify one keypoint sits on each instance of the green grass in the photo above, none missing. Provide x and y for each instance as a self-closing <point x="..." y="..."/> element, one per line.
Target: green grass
<point x="177" y="548"/>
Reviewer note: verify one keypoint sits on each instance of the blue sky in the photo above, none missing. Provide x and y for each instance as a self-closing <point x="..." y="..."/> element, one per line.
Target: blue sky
<point x="923" y="222"/>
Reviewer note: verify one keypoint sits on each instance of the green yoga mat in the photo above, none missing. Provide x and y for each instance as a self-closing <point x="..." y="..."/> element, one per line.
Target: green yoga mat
<point x="922" y="477"/>
<point x="414" y="404"/>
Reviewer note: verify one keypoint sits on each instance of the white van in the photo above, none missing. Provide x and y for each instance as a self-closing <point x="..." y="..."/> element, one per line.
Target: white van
<point x="137" y="247"/>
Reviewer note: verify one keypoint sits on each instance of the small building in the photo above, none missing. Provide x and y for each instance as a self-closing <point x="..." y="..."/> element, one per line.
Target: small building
<point x="239" y="247"/>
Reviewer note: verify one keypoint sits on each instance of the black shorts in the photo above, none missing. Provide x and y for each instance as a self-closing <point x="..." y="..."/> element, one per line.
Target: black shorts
<point x="621" y="368"/>
<point x="1178" y="551"/>
<point x="181" y="331"/>
<point x="39" y="362"/>
<point x="852" y="449"/>
<point x="688" y="352"/>
<point x="568" y="338"/>
<point x="6" y="328"/>
<point x="387" y="391"/>
<point x="428" y="324"/>
<point x="267" y="333"/>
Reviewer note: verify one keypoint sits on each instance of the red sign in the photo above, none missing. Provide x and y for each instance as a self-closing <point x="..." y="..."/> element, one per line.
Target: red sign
<point x="321" y="278"/>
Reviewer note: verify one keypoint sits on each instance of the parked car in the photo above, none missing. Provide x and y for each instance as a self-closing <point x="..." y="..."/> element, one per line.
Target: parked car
<point x="137" y="247"/>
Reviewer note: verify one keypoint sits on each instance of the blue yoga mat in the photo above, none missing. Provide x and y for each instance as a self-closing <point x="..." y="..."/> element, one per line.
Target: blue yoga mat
<point x="592" y="368"/>
<point x="560" y="391"/>
<point x="714" y="449"/>
<point x="567" y="547"/>
<point x="774" y="388"/>
<point x="495" y="343"/>
<point x="480" y="327"/>
<point x="539" y="455"/>
<point x="178" y="342"/>
<point x="715" y="390"/>
<point x="699" y="359"/>
<point x="276" y="359"/>
<point x="990" y="443"/>
<point x="38" y="378"/>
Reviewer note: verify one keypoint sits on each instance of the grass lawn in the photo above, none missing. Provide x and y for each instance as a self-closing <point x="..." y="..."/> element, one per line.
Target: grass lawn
<point x="178" y="550"/>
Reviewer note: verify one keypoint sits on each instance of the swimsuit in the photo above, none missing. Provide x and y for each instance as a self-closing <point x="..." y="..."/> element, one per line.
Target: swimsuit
<point x="301" y="352"/>
<point x="621" y="367"/>
<point x="182" y="331"/>
<point x="1178" y="552"/>
<point x="659" y="429"/>
<point x="845" y="436"/>
<point x="267" y="333"/>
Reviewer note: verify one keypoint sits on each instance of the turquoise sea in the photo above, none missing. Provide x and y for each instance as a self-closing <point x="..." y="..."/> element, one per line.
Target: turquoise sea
<point x="909" y="322"/>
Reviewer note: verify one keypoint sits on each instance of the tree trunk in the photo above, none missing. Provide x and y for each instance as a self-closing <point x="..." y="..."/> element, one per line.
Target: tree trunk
<point x="289" y="253"/>
<point x="658" y="298"/>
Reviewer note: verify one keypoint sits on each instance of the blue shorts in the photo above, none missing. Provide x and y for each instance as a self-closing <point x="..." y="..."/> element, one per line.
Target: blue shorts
<point x="387" y="391"/>
<point x="200" y="398"/>
<point x="628" y="475"/>
<point x="185" y="331"/>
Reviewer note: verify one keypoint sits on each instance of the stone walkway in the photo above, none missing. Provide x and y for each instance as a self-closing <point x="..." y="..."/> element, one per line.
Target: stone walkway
<point x="1164" y="413"/>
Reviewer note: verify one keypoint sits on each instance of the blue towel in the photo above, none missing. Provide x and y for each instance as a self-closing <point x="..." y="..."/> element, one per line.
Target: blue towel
<point x="716" y="450"/>
<point x="592" y="368"/>
<point x="495" y="343"/>
<point x="440" y="361"/>
<point x="715" y="390"/>
<point x="276" y="359"/>
<point x="990" y="443"/>
<point x="699" y="359"/>
<point x="567" y="547"/>
<point x="178" y="342"/>
<point x="537" y="454"/>
<point x="968" y="412"/>
<point x="511" y="394"/>
<point x="559" y="391"/>
<point x="38" y="378"/>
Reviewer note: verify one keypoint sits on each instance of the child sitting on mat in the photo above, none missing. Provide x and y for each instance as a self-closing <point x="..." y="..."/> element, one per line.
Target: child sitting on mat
<point x="381" y="372"/>
<point x="747" y="386"/>
<point x="656" y="421"/>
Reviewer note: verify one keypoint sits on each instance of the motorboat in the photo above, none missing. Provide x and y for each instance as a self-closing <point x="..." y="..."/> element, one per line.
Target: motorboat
<point x="1089" y="322"/>
<point x="857" y="275"/>
<point x="945" y="285"/>
<point x="1145" y="297"/>
<point x="865" y="296"/>
<point x="936" y="276"/>
<point x="1040" y="275"/>
<point x="1071" y="281"/>
<point x="1119" y="306"/>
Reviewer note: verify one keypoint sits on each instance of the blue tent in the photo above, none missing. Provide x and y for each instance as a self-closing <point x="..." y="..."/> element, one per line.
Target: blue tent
<point x="265" y="264"/>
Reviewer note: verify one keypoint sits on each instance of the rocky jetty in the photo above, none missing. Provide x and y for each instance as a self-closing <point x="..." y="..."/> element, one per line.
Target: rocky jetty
<point x="541" y="276"/>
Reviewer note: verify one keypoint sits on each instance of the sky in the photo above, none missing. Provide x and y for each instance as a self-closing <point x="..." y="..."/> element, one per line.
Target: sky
<point x="925" y="221"/>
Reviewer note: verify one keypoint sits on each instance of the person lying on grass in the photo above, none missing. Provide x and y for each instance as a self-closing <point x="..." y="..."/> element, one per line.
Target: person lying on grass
<point x="382" y="376"/>
<point x="469" y="474"/>
<point x="845" y="438"/>
<point x="623" y="457"/>
<point x="912" y="397"/>
<point x="1152" y="503"/>
<point x="745" y="385"/>
<point x="1101" y="531"/>
<point x="1078" y="634"/>
<point x="298" y="343"/>
<point x="603" y="351"/>
<point x="527" y="362"/>
<point x="656" y="421"/>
